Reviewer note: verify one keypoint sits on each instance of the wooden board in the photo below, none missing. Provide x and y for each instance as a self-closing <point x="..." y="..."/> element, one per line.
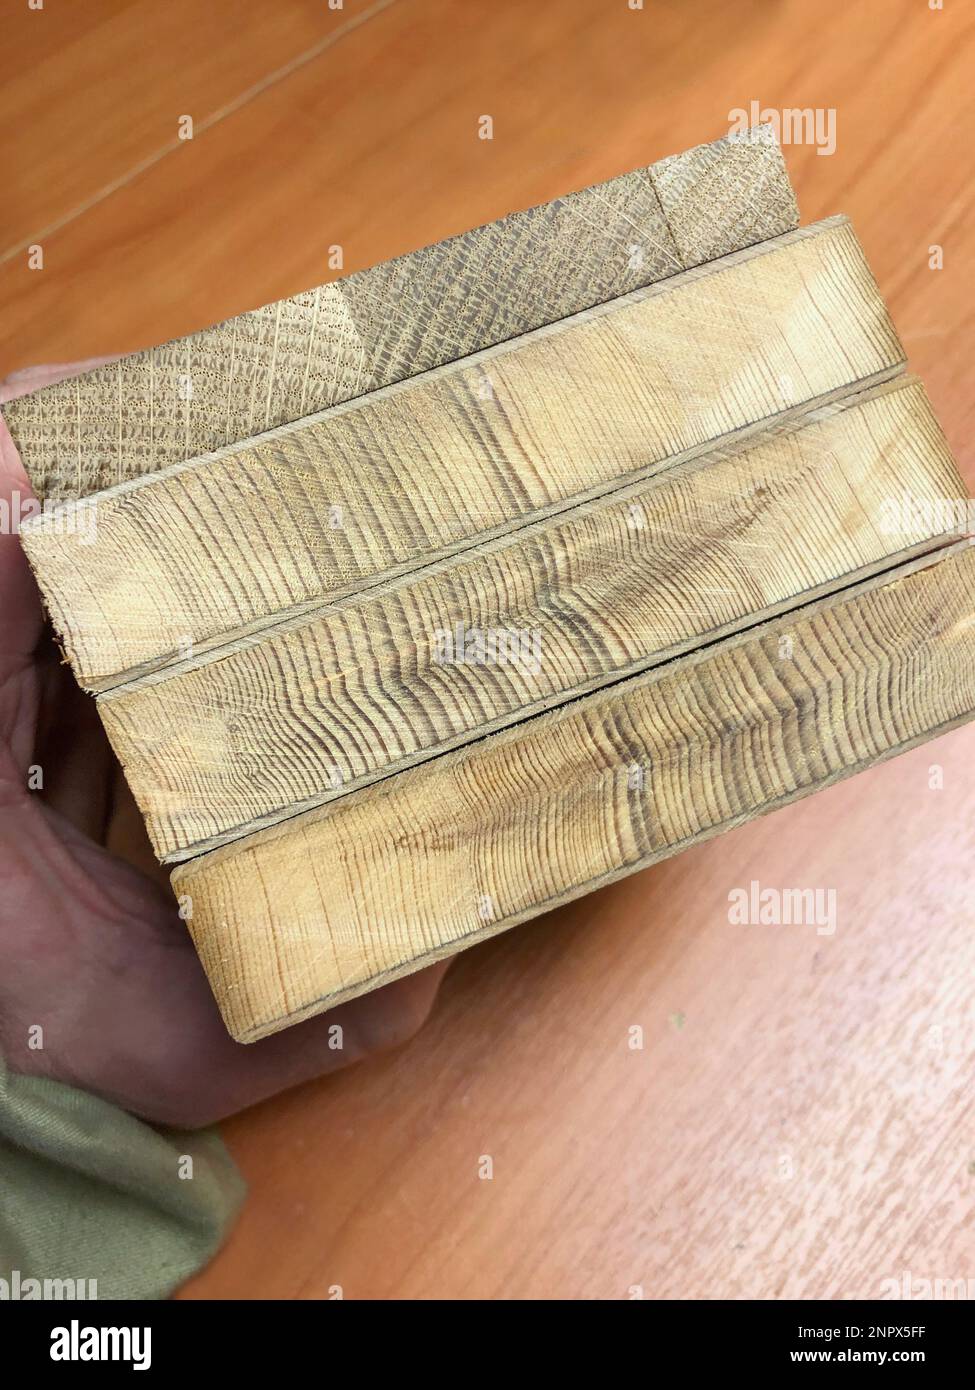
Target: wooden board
<point x="660" y="1167"/>
<point x="292" y="358"/>
<point x="339" y="900"/>
<point x="322" y="706"/>
<point x="209" y="551"/>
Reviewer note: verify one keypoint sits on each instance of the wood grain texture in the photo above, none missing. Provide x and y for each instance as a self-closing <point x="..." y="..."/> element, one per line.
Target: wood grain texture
<point x="207" y="551"/>
<point x="661" y="1167"/>
<point x="289" y="359"/>
<point x="293" y="920"/>
<point x="796" y="1123"/>
<point x="323" y="706"/>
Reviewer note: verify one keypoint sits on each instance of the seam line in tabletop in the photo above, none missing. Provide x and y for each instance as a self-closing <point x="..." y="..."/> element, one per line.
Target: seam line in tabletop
<point x="229" y="108"/>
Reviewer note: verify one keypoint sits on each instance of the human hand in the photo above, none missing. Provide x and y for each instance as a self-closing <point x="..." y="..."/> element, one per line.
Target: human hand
<point x="91" y="945"/>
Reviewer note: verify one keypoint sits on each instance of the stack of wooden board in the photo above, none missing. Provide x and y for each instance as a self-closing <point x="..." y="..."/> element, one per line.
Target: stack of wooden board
<point x="430" y="599"/>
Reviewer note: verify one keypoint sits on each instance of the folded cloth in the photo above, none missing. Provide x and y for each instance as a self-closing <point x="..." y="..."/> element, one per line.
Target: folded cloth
<point x="95" y="1203"/>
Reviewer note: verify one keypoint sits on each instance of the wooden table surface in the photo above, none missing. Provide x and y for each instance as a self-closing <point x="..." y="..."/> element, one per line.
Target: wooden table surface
<point x="798" y="1121"/>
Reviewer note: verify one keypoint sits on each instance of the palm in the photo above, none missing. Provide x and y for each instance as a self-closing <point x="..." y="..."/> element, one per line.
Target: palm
<point x="91" y="946"/>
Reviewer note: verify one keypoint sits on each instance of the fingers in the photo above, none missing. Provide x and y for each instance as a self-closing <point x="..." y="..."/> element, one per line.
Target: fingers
<point x="128" y="1013"/>
<point x="374" y="1023"/>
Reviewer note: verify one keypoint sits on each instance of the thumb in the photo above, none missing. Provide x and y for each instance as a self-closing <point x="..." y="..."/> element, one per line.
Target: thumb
<point x="20" y="610"/>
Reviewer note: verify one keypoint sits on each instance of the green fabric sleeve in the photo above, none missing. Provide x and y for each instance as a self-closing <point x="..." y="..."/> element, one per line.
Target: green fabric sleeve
<point x="88" y="1192"/>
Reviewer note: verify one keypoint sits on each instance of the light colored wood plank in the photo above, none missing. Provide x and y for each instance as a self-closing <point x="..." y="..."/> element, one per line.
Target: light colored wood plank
<point x="661" y="1167"/>
<point x="670" y="1101"/>
<point x="206" y="552"/>
<point x="441" y="856"/>
<point x="323" y="706"/>
<point x="292" y="358"/>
